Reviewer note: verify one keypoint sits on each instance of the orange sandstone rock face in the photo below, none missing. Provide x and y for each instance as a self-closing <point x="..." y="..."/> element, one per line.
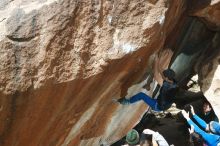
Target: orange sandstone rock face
<point x="63" y="61"/>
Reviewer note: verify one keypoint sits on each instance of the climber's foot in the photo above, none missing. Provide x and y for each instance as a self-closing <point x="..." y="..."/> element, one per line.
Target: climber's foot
<point x="115" y="100"/>
<point x="122" y="101"/>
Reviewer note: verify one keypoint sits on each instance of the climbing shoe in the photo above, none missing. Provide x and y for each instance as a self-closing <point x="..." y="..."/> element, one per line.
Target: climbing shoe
<point x="123" y="101"/>
<point x="115" y="100"/>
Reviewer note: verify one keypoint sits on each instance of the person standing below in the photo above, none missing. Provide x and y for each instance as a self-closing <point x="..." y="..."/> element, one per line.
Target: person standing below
<point x="211" y="137"/>
<point x="208" y="113"/>
<point x="148" y="137"/>
<point x="166" y="95"/>
<point x="203" y="109"/>
<point x="132" y="138"/>
<point x="212" y="127"/>
<point x="157" y="138"/>
<point x="195" y="139"/>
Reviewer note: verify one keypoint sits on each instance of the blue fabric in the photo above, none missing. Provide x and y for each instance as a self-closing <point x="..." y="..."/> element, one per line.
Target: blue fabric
<point x="211" y="139"/>
<point x="164" y="100"/>
<point x="147" y="99"/>
<point x="201" y="122"/>
<point x="215" y="127"/>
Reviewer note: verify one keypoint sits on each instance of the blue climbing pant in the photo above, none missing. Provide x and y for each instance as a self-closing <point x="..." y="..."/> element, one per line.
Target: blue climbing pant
<point x="147" y="99"/>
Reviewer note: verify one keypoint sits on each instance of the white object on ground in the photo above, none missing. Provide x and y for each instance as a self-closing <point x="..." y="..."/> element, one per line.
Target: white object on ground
<point x="157" y="137"/>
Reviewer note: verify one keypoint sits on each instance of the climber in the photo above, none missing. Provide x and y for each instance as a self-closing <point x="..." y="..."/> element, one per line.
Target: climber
<point x="165" y="97"/>
<point x="214" y="127"/>
<point x="147" y="137"/>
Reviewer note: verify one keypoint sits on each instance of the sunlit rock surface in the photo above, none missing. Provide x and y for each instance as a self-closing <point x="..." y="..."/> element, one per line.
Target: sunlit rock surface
<point x="213" y="92"/>
<point x="209" y="72"/>
<point x="62" y="62"/>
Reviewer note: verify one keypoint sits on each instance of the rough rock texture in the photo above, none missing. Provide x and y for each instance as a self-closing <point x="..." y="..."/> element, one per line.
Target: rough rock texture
<point x="213" y="91"/>
<point x="62" y="61"/>
<point x="210" y="75"/>
<point x="193" y="45"/>
<point x="66" y="40"/>
<point x="208" y="11"/>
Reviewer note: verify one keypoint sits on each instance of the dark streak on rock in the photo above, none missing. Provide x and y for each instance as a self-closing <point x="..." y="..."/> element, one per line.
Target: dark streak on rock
<point x="20" y="39"/>
<point x="2" y="20"/>
<point x="10" y="119"/>
<point x="101" y="16"/>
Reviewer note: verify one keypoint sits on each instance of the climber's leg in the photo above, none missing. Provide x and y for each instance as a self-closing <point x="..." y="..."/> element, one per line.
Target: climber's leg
<point x="141" y="96"/>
